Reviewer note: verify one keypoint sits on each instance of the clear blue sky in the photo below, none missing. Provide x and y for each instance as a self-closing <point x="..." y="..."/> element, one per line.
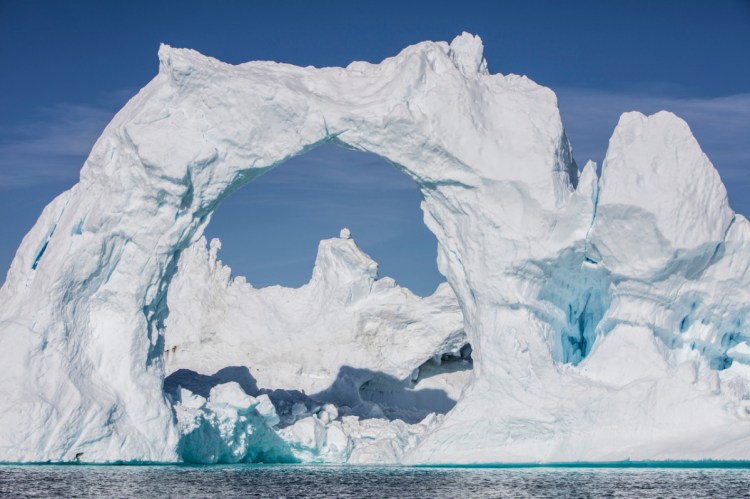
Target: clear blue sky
<point x="67" y="67"/>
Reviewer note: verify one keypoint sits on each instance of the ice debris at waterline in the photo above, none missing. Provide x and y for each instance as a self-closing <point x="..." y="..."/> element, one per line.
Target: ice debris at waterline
<point x="608" y="318"/>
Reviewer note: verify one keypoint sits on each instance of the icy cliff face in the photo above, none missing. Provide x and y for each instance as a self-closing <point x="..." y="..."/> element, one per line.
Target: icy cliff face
<point x="608" y="317"/>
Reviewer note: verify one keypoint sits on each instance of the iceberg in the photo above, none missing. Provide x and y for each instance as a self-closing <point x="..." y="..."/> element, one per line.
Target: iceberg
<point x="606" y="316"/>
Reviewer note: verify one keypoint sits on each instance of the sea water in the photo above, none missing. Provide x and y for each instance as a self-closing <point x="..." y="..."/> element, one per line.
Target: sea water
<point x="364" y="482"/>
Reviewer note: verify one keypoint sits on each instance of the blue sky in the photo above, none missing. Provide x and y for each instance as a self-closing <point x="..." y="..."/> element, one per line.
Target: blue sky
<point x="69" y="66"/>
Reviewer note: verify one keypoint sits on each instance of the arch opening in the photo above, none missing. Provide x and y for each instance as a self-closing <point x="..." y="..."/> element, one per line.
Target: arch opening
<point x="270" y="228"/>
<point x="405" y="357"/>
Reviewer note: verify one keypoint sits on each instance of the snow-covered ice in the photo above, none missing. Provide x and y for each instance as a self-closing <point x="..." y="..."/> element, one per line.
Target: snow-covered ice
<point x="607" y="317"/>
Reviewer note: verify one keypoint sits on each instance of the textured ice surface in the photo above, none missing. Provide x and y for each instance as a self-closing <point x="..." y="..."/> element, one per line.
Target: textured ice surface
<point x="608" y="317"/>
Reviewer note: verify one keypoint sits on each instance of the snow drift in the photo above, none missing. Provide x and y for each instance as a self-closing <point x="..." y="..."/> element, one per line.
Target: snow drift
<point x="608" y="317"/>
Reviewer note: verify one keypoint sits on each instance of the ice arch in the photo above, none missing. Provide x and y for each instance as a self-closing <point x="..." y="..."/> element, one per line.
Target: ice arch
<point x="91" y="277"/>
<point x="84" y="302"/>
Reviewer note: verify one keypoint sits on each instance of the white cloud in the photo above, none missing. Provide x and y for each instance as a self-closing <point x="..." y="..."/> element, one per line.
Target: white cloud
<point x="52" y="147"/>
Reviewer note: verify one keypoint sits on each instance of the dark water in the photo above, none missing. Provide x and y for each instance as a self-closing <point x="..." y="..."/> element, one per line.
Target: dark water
<point x="365" y="482"/>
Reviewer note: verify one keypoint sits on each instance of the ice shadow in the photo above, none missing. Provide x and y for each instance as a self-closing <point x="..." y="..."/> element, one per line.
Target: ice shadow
<point x="201" y="384"/>
<point x="373" y="394"/>
<point x="355" y="392"/>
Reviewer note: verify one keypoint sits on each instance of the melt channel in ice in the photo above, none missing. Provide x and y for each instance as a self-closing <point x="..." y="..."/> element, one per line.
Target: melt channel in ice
<point x="607" y="317"/>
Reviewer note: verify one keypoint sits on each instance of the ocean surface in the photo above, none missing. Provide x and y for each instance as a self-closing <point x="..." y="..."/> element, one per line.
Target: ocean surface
<point x="365" y="482"/>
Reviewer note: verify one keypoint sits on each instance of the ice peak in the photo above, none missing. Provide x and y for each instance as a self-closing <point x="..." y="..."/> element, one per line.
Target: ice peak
<point x="181" y="64"/>
<point x="167" y="55"/>
<point x="164" y="52"/>
<point x="659" y="153"/>
<point x="467" y="52"/>
<point x="341" y="257"/>
<point x="656" y="180"/>
<point x="633" y="123"/>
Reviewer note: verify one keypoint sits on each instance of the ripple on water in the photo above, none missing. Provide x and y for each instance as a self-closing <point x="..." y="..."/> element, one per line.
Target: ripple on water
<point x="365" y="482"/>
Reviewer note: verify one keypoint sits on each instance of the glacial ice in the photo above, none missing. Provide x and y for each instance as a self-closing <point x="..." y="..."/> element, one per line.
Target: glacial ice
<point x="607" y="317"/>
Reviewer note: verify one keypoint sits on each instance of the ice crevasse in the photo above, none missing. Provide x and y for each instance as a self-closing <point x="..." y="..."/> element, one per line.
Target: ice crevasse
<point x="607" y="317"/>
